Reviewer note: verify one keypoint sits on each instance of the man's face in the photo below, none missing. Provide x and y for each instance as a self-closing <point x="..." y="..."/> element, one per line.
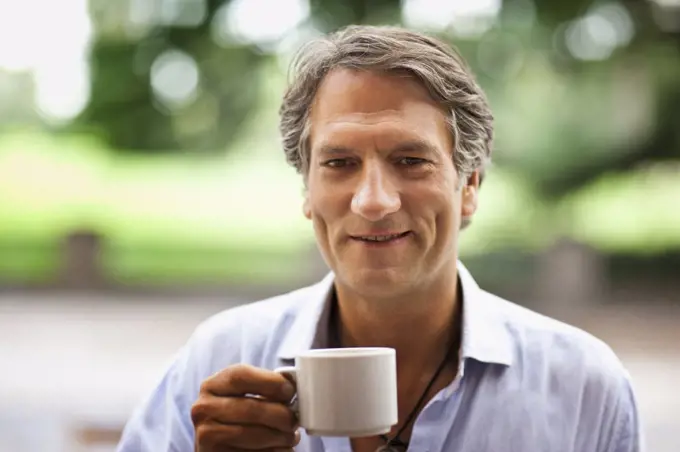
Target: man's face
<point x="382" y="190"/>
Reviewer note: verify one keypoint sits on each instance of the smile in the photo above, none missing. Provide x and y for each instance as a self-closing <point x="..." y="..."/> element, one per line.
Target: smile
<point x="382" y="238"/>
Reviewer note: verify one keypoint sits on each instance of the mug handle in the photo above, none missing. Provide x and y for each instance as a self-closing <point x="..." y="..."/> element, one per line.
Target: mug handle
<point x="290" y="372"/>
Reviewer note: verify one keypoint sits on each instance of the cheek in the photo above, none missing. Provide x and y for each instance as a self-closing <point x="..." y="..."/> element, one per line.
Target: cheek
<point x="320" y="206"/>
<point x="327" y="201"/>
<point x="325" y="210"/>
<point x="445" y="210"/>
<point x="445" y="225"/>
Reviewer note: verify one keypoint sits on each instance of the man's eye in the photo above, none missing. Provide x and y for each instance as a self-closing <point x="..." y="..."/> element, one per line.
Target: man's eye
<point x="336" y="163"/>
<point x="411" y="161"/>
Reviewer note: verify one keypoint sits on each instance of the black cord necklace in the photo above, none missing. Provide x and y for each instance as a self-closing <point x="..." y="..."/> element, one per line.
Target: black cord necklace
<point x="396" y="444"/>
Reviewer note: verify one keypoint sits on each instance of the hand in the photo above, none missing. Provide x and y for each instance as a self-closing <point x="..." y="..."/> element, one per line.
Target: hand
<point x="244" y="408"/>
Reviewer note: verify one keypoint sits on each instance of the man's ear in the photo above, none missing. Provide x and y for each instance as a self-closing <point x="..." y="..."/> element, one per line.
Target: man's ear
<point x="306" y="209"/>
<point x="470" y="193"/>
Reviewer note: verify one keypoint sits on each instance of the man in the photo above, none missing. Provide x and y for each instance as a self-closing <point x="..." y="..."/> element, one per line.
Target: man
<point x="391" y="134"/>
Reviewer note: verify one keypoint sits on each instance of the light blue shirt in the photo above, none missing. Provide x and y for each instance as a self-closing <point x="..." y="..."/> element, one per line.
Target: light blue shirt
<point x="527" y="383"/>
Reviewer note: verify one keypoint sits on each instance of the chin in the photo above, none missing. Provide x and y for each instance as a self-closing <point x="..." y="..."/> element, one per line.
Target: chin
<point x="377" y="282"/>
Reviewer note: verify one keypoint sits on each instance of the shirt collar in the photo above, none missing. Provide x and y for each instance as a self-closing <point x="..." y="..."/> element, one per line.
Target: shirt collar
<point x="485" y="334"/>
<point x="311" y="320"/>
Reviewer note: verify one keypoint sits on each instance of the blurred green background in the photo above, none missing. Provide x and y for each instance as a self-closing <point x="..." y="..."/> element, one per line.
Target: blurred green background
<point x="143" y="187"/>
<point x="152" y="124"/>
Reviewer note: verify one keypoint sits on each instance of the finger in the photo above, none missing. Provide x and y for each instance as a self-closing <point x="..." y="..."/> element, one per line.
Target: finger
<point x="242" y="379"/>
<point x="238" y="449"/>
<point x="244" y="410"/>
<point x="274" y="449"/>
<point x="249" y="437"/>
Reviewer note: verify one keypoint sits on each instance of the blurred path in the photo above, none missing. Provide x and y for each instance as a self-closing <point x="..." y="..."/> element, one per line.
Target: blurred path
<point x="91" y="358"/>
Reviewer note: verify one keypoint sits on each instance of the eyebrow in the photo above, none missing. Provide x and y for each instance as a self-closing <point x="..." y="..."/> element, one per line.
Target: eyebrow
<point x="416" y="145"/>
<point x="331" y="149"/>
<point x="412" y="145"/>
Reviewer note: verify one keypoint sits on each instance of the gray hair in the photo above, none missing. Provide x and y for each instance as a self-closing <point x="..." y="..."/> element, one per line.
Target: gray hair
<point x="438" y="66"/>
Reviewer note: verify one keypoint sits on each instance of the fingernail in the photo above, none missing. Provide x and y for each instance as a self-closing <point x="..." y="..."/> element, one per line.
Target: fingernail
<point x="289" y="390"/>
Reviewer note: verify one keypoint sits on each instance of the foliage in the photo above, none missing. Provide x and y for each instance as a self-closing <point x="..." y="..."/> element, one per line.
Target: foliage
<point x="562" y="121"/>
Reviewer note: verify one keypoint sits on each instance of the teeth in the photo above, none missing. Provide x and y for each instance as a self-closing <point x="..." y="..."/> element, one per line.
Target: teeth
<point x="381" y="238"/>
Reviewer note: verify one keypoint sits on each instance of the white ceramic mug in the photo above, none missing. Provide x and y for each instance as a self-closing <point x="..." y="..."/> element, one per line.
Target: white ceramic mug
<point x="346" y="391"/>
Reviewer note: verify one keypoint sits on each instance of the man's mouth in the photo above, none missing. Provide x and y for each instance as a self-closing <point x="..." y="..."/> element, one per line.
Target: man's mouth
<point x="381" y="238"/>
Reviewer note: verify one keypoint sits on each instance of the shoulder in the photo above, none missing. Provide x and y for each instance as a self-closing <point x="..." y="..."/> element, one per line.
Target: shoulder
<point x="243" y="334"/>
<point x="558" y="349"/>
<point x="248" y="333"/>
<point x="254" y="317"/>
<point x="575" y="373"/>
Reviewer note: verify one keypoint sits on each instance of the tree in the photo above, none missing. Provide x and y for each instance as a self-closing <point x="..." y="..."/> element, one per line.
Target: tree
<point x="559" y="151"/>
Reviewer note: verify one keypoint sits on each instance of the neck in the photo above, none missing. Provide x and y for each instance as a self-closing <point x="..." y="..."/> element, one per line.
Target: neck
<point x="421" y="326"/>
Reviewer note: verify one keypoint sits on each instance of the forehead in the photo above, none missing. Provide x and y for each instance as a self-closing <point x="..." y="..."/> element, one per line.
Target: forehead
<point x="363" y="105"/>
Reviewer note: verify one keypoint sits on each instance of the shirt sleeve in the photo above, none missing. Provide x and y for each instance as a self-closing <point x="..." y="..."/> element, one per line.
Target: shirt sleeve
<point x="162" y="422"/>
<point x="628" y="435"/>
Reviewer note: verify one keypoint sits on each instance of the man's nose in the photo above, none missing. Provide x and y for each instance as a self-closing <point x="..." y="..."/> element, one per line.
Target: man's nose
<point x="376" y="195"/>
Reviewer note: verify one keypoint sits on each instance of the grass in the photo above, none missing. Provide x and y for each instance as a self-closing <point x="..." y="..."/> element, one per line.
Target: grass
<point x="180" y="218"/>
